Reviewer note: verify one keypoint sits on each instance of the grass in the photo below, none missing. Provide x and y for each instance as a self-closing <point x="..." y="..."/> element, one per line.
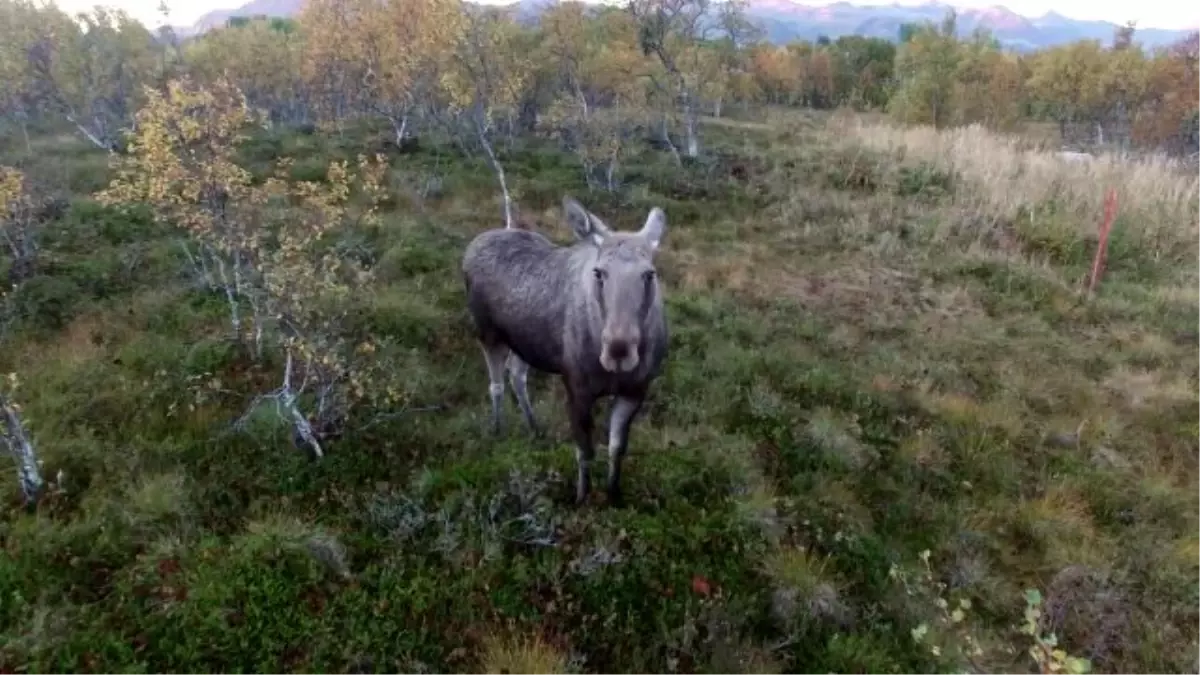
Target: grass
<point x="1063" y="203"/>
<point x="886" y="399"/>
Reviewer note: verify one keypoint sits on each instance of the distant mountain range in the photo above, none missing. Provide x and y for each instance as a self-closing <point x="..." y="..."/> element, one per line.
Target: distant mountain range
<point x="785" y="20"/>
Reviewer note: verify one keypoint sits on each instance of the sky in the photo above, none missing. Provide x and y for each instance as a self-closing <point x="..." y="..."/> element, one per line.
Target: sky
<point x="1147" y="13"/>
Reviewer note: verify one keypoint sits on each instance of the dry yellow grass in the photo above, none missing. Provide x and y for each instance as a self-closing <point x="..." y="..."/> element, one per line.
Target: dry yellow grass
<point x="157" y="496"/>
<point x="82" y="340"/>
<point x="1063" y="524"/>
<point x="923" y="450"/>
<point x="796" y="568"/>
<point x="838" y="495"/>
<point x="1187" y="551"/>
<point x="521" y="655"/>
<point x="1009" y="180"/>
<point x="1137" y="388"/>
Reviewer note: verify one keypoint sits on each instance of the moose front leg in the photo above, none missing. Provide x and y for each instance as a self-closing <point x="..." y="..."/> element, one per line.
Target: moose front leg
<point x="624" y="409"/>
<point x="579" y="408"/>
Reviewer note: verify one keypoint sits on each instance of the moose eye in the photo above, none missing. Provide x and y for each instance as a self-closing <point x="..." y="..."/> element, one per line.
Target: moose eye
<point x="648" y="276"/>
<point x="599" y="273"/>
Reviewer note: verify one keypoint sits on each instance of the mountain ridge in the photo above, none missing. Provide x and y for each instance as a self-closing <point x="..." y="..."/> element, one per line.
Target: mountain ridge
<point x="786" y="20"/>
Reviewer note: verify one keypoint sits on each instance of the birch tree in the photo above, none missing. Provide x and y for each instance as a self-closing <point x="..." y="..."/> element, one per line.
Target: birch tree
<point x="16" y="442"/>
<point x="603" y="86"/>
<point x="675" y="33"/>
<point x="24" y="31"/>
<point x="926" y="67"/>
<point x="91" y="70"/>
<point x="484" y="83"/>
<point x="329" y="65"/>
<point x="262" y="57"/>
<point x="393" y="49"/>
<point x="261" y="246"/>
<point x="16" y="214"/>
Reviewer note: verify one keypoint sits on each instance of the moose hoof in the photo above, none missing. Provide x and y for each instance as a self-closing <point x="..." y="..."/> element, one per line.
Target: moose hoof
<point x="615" y="498"/>
<point x="581" y="497"/>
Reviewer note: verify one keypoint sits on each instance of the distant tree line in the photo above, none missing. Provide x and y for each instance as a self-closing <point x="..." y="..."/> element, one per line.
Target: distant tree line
<point x="592" y="76"/>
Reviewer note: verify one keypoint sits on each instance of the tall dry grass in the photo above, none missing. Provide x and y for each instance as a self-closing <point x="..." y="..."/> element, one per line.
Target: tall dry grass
<point x="1155" y="195"/>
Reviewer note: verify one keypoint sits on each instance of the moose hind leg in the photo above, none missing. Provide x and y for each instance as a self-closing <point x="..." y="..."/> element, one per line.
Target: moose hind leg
<point x="518" y="373"/>
<point x="624" y="409"/>
<point x="495" y="355"/>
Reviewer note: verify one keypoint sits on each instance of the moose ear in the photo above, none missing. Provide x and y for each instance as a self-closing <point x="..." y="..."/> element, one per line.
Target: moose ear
<point x="584" y="225"/>
<point x="655" y="227"/>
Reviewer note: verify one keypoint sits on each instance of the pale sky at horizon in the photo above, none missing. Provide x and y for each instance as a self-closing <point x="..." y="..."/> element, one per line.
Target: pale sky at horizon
<point x="1176" y="14"/>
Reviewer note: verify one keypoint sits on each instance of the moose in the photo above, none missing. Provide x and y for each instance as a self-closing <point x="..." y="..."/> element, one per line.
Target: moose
<point x="591" y="312"/>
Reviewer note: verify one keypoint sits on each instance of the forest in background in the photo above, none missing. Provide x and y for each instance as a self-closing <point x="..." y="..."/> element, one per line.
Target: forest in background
<point x="593" y="75"/>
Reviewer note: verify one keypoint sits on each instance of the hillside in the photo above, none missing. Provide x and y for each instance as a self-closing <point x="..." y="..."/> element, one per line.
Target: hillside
<point x="888" y="412"/>
<point x="784" y="20"/>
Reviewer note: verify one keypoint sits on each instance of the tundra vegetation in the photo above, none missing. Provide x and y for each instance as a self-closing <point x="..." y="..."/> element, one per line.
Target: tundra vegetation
<point x="243" y="396"/>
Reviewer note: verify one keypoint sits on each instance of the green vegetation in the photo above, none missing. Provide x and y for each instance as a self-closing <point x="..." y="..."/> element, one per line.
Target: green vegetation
<point x="888" y="413"/>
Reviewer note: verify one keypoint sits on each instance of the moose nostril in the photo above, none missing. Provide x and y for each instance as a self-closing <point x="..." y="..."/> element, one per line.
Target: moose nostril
<point x="618" y="349"/>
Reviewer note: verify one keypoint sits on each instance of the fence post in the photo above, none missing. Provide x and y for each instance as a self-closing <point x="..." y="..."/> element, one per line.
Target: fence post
<point x="1110" y="213"/>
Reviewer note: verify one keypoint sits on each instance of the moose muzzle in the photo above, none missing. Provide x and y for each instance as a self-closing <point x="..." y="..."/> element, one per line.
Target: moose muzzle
<point x="619" y="351"/>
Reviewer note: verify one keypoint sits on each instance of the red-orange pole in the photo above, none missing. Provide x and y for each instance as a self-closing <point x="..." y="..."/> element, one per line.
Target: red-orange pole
<point x="1110" y="214"/>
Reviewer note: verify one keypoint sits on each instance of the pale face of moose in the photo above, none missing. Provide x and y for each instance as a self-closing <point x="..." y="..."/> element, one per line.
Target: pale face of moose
<point x="621" y="283"/>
